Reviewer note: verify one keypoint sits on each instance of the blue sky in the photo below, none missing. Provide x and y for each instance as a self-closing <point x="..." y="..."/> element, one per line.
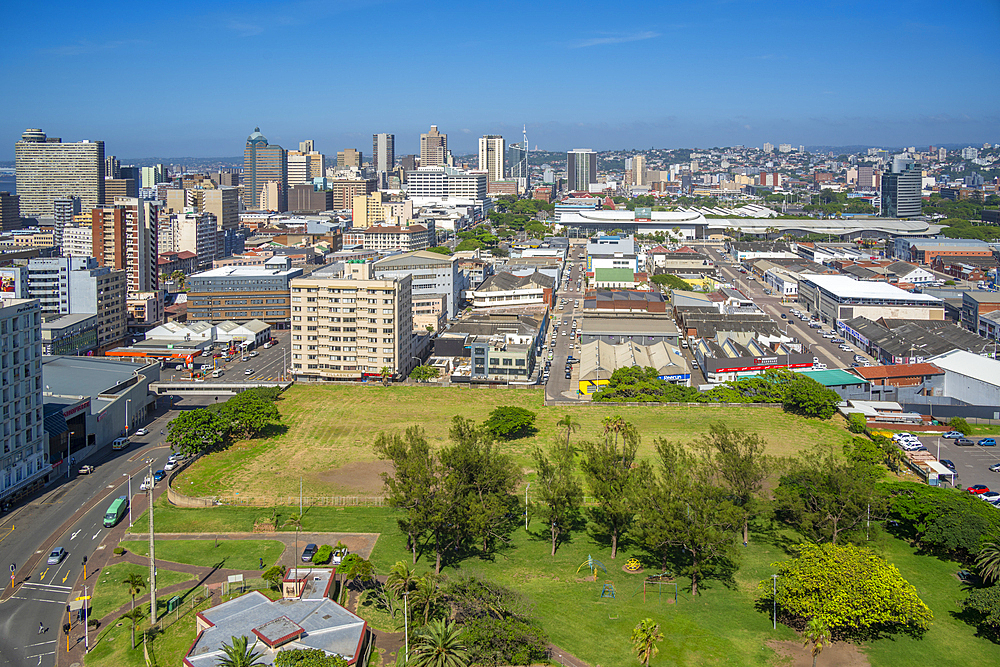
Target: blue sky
<point x="194" y="78"/>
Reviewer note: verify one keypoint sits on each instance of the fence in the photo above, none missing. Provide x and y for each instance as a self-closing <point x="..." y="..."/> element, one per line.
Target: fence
<point x="307" y="501"/>
<point x="196" y="597"/>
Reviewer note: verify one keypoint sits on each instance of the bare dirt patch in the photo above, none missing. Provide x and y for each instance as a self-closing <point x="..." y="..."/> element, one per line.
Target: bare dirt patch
<point x="838" y="654"/>
<point x="357" y="477"/>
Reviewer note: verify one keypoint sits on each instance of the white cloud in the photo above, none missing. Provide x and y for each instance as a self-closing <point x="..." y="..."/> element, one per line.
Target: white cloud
<point x="615" y="39"/>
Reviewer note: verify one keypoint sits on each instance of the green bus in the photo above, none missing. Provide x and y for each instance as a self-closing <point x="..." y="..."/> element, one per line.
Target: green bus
<point x="115" y="513"/>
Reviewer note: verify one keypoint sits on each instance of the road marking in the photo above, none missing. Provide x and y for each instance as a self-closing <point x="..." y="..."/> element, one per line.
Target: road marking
<point x="96" y="535"/>
<point x="59" y="602"/>
<point x="45" y="572"/>
<point x="66" y="577"/>
<point x="32" y="584"/>
<point x="73" y="536"/>
<point x="40" y="644"/>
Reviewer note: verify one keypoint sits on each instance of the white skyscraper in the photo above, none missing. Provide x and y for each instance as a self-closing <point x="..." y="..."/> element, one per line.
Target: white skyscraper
<point x="491" y="154"/>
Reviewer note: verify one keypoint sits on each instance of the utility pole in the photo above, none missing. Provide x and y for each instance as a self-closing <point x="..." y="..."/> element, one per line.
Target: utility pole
<point x="152" y="552"/>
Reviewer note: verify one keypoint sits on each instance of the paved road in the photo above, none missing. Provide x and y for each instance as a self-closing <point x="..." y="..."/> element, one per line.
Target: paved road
<point x="70" y="515"/>
<point x="558" y="387"/>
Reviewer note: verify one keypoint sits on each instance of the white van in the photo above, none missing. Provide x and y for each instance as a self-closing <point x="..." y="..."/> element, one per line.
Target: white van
<point x="217" y="373"/>
<point x="120" y="443"/>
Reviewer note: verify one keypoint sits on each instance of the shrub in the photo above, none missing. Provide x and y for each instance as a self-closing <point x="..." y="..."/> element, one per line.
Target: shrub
<point x="323" y="555"/>
<point x="119" y="551"/>
<point x="856" y="422"/>
<point x="508" y="422"/>
<point x="959" y="424"/>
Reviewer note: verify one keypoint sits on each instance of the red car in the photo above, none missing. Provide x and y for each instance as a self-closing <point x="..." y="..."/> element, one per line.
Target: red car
<point x="976" y="489"/>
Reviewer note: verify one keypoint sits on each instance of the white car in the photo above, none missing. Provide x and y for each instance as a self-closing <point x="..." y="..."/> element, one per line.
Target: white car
<point x="170" y="465"/>
<point x="142" y="431"/>
<point x="845" y="348"/>
<point x="147" y="484"/>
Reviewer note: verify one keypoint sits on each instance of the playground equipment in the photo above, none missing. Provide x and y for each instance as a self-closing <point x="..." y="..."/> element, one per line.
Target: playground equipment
<point x="609" y="590"/>
<point x="633" y="566"/>
<point x="592" y="564"/>
<point x="657" y="580"/>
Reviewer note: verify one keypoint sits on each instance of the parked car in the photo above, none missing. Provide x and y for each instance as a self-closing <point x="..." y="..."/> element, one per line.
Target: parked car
<point x="953" y="434"/>
<point x="56" y="556"/>
<point x="987" y="442"/>
<point x="254" y="353"/>
<point x="338" y="556"/>
<point x="170" y="465"/>
<point x="995" y="467"/>
<point x="947" y="463"/>
<point x="964" y="442"/>
<point x="142" y="431"/>
<point x="976" y="489"/>
<point x="308" y="552"/>
<point x="990" y="496"/>
<point x="158" y="475"/>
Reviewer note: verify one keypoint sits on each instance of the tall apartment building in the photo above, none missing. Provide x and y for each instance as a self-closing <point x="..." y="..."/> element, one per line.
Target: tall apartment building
<point x="119" y="187"/>
<point x="349" y="157"/>
<point x="10" y="212"/>
<point x="262" y="162"/>
<point x="349" y="325"/>
<point x="383" y="152"/>
<point x="942" y="154"/>
<point x="77" y="286"/>
<point x="243" y="293"/>
<point x="433" y="148"/>
<point x="901" y="189"/>
<point x="77" y="241"/>
<point x="222" y="202"/>
<point x="151" y="176"/>
<point x="112" y="167"/>
<point x="491" y="157"/>
<point x="47" y="169"/>
<point x="25" y="462"/>
<point x="299" y="168"/>
<point x="191" y="231"/>
<point x="346" y="189"/>
<point x="581" y="169"/>
<point x="366" y="210"/>
<point x="124" y="236"/>
<point x="768" y="147"/>
<point x="431" y="274"/>
<point x="639" y="170"/>
<point x="446" y="182"/>
<point x="317" y="161"/>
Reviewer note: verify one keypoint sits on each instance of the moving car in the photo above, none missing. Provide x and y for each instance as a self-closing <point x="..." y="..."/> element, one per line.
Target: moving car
<point x="116" y="511"/>
<point x="953" y="434"/>
<point x="85" y="470"/>
<point x="987" y="442"/>
<point x="254" y="353"/>
<point x="308" y="552"/>
<point x="142" y="431"/>
<point x="976" y="489"/>
<point x="248" y="371"/>
<point x="56" y="556"/>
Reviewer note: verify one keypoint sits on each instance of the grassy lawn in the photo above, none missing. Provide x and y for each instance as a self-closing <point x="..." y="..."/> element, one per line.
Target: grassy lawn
<point x="230" y="554"/>
<point x="111" y="594"/>
<point x="329" y="427"/>
<point x="720" y="626"/>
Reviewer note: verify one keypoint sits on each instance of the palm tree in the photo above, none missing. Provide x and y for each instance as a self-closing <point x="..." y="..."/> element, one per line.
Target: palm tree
<point x="619" y="426"/>
<point x="135" y="583"/>
<point x="426" y="594"/>
<point x="988" y="561"/>
<point x="238" y="654"/>
<point x="386" y="374"/>
<point x="644" y="638"/>
<point x="818" y="634"/>
<point x="439" y="644"/>
<point x="401" y="578"/>
<point x="571" y="425"/>
<point x="134" y="615"/>
<point x="295" y="522"/>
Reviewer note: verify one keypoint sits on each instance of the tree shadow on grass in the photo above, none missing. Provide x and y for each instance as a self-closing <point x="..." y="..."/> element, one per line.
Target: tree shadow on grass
<point x="272" y="430"/>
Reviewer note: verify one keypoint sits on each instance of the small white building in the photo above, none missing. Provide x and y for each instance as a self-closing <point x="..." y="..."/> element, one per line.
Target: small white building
<point x="969" y="377"/>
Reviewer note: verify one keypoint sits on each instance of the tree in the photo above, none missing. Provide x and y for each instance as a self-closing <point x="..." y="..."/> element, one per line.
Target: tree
<point x="613" y="476"/>
<point x="414" y="487"/>
<point x="817" y="633"/>
<point x="440" y="249"/>
<point x="426" y="595"/>
<point x="135" y="583"/>
<point x="946" y="522"/>
<point x="247" y="414"/>
<point x="742" y="465"/>
<point x="571" y="425"/>
<point x="508" y="422"/>
<point x="982" y="607"/>
<point x="424" y="373"/>
<point x="684" y="517"/>
<point x="386" y="374"/>
<point x="645" y="635"/>
<point x="988" y="561"/>
<point x="274" y="575"/>
<point x="856" y="422"/>
<point x="194" y="431"/>
<point x="439" y="644"/>
<point x="825" y="497"/>
<point x="307" y="657"/>
<point x="852" y="588"/>
<point x="560" y="491"/>
<point x="401" y="579"/>
<point x="238" y="654"/>
<point x="959" y="424"/>
<point x="133" y="616"/>
<point x="357" y="569"/>
<point x="804" y="396"/>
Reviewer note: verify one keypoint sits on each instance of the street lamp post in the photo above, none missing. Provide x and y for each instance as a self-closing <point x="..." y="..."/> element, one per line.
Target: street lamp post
<point x="774" y="599"/>
<point x="129" y="475"/>
<point x="127" y="401"/>
<point x="526" y="506"/>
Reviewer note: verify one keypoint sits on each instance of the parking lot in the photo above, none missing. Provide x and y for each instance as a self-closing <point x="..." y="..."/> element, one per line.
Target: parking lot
<point x="971" y="463"/>
<point x="269" y="365"/>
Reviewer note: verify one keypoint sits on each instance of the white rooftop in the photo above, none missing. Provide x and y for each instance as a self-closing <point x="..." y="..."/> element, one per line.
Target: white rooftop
<point x="969" y="364"/>
<point x="845" y="286"/>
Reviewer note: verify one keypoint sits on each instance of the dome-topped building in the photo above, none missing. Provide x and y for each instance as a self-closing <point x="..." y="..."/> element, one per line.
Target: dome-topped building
<point x="264" y="163"/>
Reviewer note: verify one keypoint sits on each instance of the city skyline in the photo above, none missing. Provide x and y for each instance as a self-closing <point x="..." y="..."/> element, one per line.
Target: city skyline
<point x="693" y="75"/>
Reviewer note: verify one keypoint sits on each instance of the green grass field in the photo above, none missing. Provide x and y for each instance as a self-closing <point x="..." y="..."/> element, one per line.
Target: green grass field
<point x="229" y="554"/>
<point x="110" y="593"/>
<point x="720" y="626"/>
<point x="329" y="427"/>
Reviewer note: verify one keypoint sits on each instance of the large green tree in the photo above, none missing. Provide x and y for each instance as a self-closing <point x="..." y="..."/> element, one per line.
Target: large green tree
<point x="946" y="522"/>
<point x="247" y="414"/>
<point x="414" y="487"/>
<point x="194" y="431"/>
<point x="982" y="608"/>
<point x="804" y="396"/>
<point x="509" y="421"/>
<point x="424" y="373"/>
<point x="560" y="490"/>
<point x="685" y="518"/>
<point x="852" y="588"/>
<point x="613" y="476"/>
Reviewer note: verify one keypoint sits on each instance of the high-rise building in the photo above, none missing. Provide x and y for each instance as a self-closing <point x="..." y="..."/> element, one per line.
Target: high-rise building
<point x="446" y="182"/>
<point x="243" y="293"/>
<point x="639" y="170"/>
<point x="191" y="231"/>
<point x="433" y="148"/>
<point x="383" y="152"/>
<point x="866" y="177"/>
<point x="349" y="157"/>
<point x="112" y="167"/>
<point x="222" y="202"/>
<point x="124" y="236"/>
<point x="970" y="153"/>
<point x="25" y="462"/>
<point x="48" y="169"/>
<point x="901" y="189"/>
<point x="581" y="169"/>
<point x="262" y="162"/>
<point x="299" y="168"/>
<point x="119" y="187"/>
<point x="942" y="154"/>
<point x="10" y="212"/>
<point x="784" y="148"/>
<point x="307" y="146"/>
<point x="367" y="210"/>
<point x="63" y="210"/>
<point x="77" y="240"/>
<point x="150" y="176"/>
<point x="348" y="325"/>
<point x="491" y="157"/>
<point x="344" y="191"/>
<point x="768" y="147"/>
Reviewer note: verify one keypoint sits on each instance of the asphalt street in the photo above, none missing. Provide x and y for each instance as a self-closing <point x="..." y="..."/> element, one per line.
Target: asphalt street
<point x="558" y="387"/>
<point x="69" y="514"/>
